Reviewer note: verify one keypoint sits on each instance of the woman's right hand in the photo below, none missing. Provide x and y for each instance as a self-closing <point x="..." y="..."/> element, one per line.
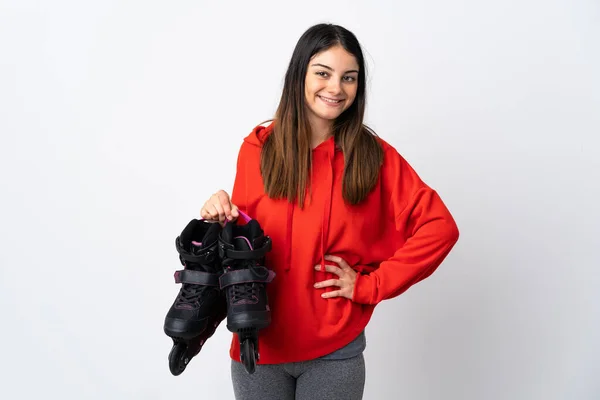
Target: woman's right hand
<point x="219" y="208"/>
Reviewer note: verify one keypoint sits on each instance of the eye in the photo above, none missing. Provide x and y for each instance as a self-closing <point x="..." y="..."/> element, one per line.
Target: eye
<point x="349" y="79"/>
<point x="322" y="73"/>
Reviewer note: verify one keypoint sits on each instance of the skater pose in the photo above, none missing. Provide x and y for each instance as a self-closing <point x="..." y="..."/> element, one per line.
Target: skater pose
<point x="351" y="225"/>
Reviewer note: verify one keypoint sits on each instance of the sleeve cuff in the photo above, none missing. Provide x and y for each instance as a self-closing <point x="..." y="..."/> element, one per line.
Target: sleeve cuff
<point x="364" y="289"/>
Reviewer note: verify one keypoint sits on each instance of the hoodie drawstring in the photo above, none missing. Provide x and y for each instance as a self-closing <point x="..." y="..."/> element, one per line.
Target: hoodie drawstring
<point x="288" y="250"/>
<point x="326" y="216"/>
<point x="328" y="200"/>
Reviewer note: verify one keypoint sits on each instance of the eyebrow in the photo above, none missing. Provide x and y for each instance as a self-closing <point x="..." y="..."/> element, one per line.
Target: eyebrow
<point x="331" y="69"/>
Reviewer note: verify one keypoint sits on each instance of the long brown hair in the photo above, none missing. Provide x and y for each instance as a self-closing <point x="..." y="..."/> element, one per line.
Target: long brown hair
<point x="286" y="156"/>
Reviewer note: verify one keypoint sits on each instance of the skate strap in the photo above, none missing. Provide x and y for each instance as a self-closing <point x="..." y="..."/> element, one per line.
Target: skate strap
<point x="196" y="277"/>
<point x="247" y="254"/>
<point x="206" y="258"/>
<point x="247" y="275"/>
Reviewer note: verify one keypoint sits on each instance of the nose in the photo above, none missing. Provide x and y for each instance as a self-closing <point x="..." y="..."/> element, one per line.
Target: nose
<point x="334" y="87"/>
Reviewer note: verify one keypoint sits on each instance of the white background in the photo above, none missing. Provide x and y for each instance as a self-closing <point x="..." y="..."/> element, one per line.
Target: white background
<point x="118" y="119"/>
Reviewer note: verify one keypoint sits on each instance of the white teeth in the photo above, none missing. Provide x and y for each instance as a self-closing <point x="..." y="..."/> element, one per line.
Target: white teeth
<point x="328" y="100"/>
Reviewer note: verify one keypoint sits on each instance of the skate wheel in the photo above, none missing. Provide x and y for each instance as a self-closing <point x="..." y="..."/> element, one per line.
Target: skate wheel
<point x="177" y="359"/>
<point x="248" y="356"/>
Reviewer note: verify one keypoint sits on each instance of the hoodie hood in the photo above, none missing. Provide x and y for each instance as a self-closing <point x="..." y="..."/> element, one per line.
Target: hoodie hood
<point x="259" y="134"/>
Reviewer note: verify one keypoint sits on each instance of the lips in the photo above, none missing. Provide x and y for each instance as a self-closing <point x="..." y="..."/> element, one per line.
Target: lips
<point x="330" y="101"/>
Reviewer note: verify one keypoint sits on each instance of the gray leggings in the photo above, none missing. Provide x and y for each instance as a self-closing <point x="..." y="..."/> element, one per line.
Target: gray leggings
<point x="307" y="380"/>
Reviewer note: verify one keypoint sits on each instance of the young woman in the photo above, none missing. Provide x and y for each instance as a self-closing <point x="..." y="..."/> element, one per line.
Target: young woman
<point x="351" y="224"/>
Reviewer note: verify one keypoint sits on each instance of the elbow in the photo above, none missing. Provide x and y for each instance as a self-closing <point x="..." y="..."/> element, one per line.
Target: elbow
<point x="451" y="232"/>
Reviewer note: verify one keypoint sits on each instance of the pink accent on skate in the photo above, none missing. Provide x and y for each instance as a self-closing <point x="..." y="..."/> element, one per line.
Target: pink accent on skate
<point x="245" y="216"/>
<point x="246" y="239"/>
<point x="197" y="243"/>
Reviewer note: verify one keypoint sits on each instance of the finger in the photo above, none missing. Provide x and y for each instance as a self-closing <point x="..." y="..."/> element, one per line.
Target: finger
<point x="331" y="268"/>
<point x="208" y="211"/>
<point x="333" y="293"/>
<point x="208" y="217"/>
<point x="218" y="213"/>
<point x="214" y="212"/>
<point x="328" y="282"/>
<point x="339" y="260"/>
<point x="224" y="201"/>
<point x="234" y="211"/>
<point x="204" y="214"/>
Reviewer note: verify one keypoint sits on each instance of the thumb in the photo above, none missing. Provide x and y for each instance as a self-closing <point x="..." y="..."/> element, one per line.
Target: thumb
<point x="234" y="211"/>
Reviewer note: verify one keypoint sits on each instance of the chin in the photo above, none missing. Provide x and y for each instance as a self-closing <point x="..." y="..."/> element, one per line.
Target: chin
<point x="329" y="115"/>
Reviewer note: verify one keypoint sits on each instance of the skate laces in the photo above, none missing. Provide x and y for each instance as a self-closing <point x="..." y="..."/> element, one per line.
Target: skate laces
<point x="190" y="292"/>
<point x="245" y="293"/>
<point x="188" y="295"/>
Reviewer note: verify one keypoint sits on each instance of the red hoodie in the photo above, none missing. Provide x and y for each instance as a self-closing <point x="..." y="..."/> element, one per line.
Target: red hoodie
<point x="395" y="238"/>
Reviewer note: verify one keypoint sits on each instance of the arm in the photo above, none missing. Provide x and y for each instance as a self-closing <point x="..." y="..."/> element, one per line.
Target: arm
<point x="239" y="192"/>
<point x="430" y="230"/>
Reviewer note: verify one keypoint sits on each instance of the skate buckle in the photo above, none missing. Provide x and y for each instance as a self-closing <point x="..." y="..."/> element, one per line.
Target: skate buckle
<point x="209" y="256"/>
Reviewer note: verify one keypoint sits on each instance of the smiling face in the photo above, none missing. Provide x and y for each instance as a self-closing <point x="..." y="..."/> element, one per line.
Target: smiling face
<point x="331" y="84"/>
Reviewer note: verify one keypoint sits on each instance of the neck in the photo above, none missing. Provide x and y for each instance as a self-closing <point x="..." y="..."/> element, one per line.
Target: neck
<point x="321" y="131"/>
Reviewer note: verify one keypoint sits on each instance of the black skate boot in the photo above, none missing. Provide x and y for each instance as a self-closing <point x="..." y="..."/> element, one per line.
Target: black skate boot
<point x="200" y="305"/>
<point x="242" y="250"/>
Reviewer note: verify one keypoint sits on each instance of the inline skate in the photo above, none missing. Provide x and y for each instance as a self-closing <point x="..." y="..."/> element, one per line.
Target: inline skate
<point x="242" y="249"/>
<point x="200" y="305"/>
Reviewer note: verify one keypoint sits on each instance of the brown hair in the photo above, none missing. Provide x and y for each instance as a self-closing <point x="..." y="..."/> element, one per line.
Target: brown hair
<point x="286" y="156"/>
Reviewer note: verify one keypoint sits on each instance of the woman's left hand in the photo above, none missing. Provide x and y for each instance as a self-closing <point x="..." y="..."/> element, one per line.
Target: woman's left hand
<point x="347" y="278"/>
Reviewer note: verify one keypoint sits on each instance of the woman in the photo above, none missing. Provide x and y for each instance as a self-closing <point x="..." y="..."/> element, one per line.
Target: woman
<point x="351" y="224"/>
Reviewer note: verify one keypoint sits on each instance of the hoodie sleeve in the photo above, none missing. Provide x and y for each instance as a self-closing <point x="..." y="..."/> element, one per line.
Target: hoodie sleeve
<point x="429" y="228"/>
<point x="239" y="192"/>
